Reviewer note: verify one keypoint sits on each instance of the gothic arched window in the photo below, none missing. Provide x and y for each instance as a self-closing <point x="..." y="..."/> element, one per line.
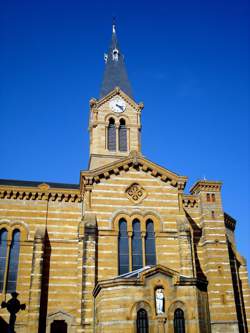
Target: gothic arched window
<point x="179" y="321"/>
<point x="137" y="261"/>
<point x="123" y="249"/>
<point x="13" y="261"/>
<point x="122" y="136"/>
<point x="142" y="321"/>
<point x="111" y="135"/>
<point x="3" y="255"/>
<point x="150" y="243"/>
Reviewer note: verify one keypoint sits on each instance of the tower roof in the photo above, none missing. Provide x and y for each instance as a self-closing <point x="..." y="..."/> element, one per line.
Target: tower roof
<point x="115" y="74"/>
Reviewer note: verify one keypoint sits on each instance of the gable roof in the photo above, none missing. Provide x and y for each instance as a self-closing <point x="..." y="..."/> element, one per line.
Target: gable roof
<point x="134" y="160"/>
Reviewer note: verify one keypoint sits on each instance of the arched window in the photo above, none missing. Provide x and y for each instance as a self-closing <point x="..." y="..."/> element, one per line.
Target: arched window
<point x="13" y="261"/>
<point x="213" y="197"/>
<point x="111" y="135"/>
<point x="150" y="243"/>
<point x="123" y="247"/>
<point x="179" y="321"/>
<point x="142" y="321"/>
<point x="122" y="136"/>
<point x="136" y="246"/>
<point x="208" y="197"/>
<point x="3" y="255"/>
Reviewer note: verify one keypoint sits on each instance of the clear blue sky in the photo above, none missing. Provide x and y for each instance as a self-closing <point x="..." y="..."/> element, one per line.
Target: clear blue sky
<point x="187" y="61"/>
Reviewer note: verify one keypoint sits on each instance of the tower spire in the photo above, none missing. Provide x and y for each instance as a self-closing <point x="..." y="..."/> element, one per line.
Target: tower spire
<point x="115" y="74"/>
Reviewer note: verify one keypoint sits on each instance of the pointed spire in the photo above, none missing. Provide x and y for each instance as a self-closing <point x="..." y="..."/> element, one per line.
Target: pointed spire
<point x="115" y="74"/>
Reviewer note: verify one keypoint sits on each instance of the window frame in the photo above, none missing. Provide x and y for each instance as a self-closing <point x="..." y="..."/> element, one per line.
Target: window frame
<point x="11" y="228"/>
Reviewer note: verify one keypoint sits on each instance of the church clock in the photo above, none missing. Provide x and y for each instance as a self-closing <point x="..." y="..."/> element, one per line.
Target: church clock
<point x="117" y="105"/>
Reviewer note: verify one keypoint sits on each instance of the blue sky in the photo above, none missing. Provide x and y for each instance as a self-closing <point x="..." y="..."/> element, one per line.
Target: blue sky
<point x="187" y="61"/>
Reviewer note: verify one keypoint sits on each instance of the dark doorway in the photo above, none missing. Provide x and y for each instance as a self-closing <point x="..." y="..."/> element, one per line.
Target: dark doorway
<point x="142" y="321"/>
<point x="58" y="326"/>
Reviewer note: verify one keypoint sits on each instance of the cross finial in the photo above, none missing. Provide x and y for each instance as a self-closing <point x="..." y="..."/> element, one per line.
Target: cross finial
<point x="113" y="26"/>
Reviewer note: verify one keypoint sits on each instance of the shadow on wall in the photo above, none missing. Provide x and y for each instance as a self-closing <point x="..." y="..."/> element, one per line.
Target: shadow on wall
<point x="3" y="326"/>
<point x="45" y="284"/>
<point x="13" y="307"/>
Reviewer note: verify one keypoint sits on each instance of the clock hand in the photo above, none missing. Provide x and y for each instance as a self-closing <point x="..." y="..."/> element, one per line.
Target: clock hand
<point x="119" y="106"/>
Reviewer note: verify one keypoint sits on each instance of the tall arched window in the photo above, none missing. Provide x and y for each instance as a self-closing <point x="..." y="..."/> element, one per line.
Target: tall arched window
<point x="136" y="246"/>
<point x="123" y="247"/>
<point x="150" y="243"/>
<point x="3" y="255"/>
<point x="111" y="135"/>
<point x="13" y="261"/>
<point x="179" y="321"/>
<point x="122" y="136"/>
<point x="142" y="321"/>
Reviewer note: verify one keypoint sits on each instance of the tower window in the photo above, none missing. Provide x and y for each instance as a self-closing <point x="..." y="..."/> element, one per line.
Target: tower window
<point x="179" y="321"/>
<point x="111" y="135"/>
<point x="213" y="197"/>
<point x="122" y="136"/>
<point x="208" y="197"/>
<point x="123" y="247"/>
<point x="136" y="246"/>
<point x="142" y="321"/>
<point x="150" y="243"/>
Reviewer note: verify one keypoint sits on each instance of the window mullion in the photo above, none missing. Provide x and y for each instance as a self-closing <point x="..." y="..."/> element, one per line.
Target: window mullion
<point x="130" y="234"/>
<point x="143" y="235"/>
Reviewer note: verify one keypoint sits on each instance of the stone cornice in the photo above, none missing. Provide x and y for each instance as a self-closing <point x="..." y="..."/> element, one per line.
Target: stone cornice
<point x="41" y="192"/>
<point x="190" y="201"/>
<point x="206" y="186"/>
<point x="140" y="280"/>
<point x="230" y="222"/>
<point x="136" y="160"/>
<point x="94" y="103"/>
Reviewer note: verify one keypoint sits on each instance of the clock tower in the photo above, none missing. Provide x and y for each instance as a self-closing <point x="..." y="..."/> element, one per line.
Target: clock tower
<point x="115" y="118"/>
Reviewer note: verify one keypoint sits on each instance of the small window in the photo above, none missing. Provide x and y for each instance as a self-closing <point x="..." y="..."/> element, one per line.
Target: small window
<point x="213" y="214"/>
<point x="179" y="321"/>
<point x="136" y="246"/>
<point x="208" y="197"/>
<point x="213" y="197"/>
<point x="111" y="135"/>
<point x="3" y="255"/>
<point x="122" y="136"/>
<point x="142" y="321"/>
<point x="13" y="262"/>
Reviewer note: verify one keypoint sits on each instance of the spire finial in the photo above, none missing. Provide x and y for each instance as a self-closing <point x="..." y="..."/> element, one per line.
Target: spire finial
<point x="113" y="25"/>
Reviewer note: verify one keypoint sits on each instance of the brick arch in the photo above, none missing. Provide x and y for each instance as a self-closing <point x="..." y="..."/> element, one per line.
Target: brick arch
<point x="141" y="216"/>
<point x="137" y="306"/>
<point x="10" y="226"/>
<point x="174" y="306"/>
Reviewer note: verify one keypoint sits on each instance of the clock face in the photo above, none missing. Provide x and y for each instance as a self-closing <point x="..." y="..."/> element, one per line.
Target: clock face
<point x="117" y="105"/>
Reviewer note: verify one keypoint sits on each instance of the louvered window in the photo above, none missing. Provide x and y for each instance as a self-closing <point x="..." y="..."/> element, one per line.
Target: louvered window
<point x="3" y="255"/>
<point x="122" y="136"/>
<point x="13" y="262"/>
<point x="136" y="246"/>
<point x="111" y="135"/>
<point x="150" y="243"/>
<point x="123" y="247"/>
<point x="142" y="321"/>
<point x="179" y="321"/>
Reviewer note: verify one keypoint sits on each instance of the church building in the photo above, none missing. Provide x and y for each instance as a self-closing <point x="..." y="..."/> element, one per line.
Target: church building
<point x="124" y="251"/>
